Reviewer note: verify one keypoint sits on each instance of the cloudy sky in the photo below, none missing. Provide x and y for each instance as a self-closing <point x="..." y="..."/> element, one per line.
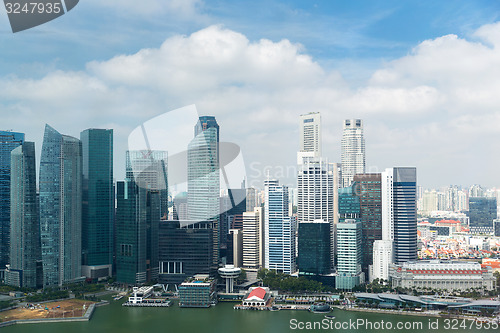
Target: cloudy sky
<point x="423" y="75"/>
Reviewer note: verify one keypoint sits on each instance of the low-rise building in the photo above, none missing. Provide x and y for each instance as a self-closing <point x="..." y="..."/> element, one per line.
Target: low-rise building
<point x="257" y="297"/>
<point x="444" y="275"/>
<point x="198" y="292"/>
<point x="140" y="294"/>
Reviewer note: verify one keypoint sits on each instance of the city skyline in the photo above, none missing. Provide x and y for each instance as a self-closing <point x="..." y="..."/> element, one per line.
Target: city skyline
<point x="425" y="89"/>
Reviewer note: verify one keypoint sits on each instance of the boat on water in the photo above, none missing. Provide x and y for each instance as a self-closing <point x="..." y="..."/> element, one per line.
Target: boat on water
<point x="119" y="297"/>
<point x="320" y="308"/>
<point x="329" y="316"/>
<point x="274" y="308"/>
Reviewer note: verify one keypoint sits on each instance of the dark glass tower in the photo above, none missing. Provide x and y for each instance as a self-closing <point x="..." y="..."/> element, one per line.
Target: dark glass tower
<point x="8" y="141"/>
<point x="314" y="248"/>
<point x="131" y="235"/>
<point x="24" y="226"/>
<point x="482" y="212"/>
<point x="61" y="208"/>
<point x="404" y="201"/>
<point x="138" y="214"/>
<point x="185" y="249"/>
<point x="98" y="202"/>
<point x="369" y="189"/>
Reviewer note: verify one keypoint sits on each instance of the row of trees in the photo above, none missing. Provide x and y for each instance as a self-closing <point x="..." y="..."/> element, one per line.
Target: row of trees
<point x="48" y="295"/>
<point x="280" y="281"/>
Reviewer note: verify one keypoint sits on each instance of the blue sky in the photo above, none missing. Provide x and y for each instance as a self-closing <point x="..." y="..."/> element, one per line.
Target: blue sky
<point x="418" y="72"/>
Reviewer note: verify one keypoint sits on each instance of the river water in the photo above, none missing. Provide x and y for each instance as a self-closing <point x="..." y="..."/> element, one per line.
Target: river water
<point x="222" y="318"/>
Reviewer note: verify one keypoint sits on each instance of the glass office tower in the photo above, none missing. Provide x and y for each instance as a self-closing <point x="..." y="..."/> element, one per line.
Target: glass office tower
<point x="98" y="202"/>
<point x="24" y="221"/>
<point x="8" y="141"/>
<point x="61" y="208"/>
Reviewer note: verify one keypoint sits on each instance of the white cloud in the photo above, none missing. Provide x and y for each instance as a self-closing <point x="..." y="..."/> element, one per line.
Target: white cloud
<point x="421" y="109"/>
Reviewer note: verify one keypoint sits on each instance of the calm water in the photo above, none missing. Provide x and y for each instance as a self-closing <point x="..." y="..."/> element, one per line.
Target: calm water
<point x="114" y="318"/>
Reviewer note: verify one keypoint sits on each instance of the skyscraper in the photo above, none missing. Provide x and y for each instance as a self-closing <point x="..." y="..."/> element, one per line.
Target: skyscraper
<point x="317" y="185"/>
<point x="399" y="212"/>
<point x="24" y="226"/>
<point x="131" y="238"/>
<point x="279" y="234"/>
<point x="314" y="248"/>
<point x="8" y="141"/>
<point x="203" y="171"/>
<point x="98" y="202"/>
<point x="138" y="215"/>
<point x="253" y="239"/>
<point x="61" y="208"/>
<point x="349" y="204"/>
<point x="349" y="254"/>
<point x="353" y="150"/>
<point x="368" y="187"/>
<point x="203" y="176"/>
<point x="148" y="168"/>
<point x="310" y="134"/>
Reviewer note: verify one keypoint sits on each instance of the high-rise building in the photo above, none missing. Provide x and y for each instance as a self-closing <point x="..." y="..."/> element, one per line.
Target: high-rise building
<point x="482" y="212"/>
<point x="476" y="191"/>
<point x="368" y="186"/>
<point x="131" y="238"/>
<point x="61" y="208"/>
<point x="382" y="259"/>
<point x="279" y="234"/>
<point x="232" y="205"/>
<point x="251" y="199"/>
<point x="314" y="248"/>
<point x="310" y="134"/>
<point x="399" y="212"/>
<point x="317" y="185"/>
<point x="185" y="249"/>
<point x="24" y="219"/>
<point x="8" y="142"/>
<point x="253" y="239"/>
<point x="353" y="150"/>
<point x="430" y="201"/>
<point x="98" y="206"/>
<point x="203" y="176"/>
<point x="235" y="248"/>
<point x="349" y="254"/>
<point x="496" y="227"/>
<point x="148" y="168"/>
<point x="349" y="204"/>
<point x="138" y="215"/>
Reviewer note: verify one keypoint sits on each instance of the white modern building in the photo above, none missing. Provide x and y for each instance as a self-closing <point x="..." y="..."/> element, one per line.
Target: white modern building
<point x="444" y="275"/>
<point x="253" y="239"/>
<point x="382" y="259"/>
<point x="279" y="229"/>
<point x="353" y="158"/>
<point x="229" y="273"/>
<point x="140" y="294"/>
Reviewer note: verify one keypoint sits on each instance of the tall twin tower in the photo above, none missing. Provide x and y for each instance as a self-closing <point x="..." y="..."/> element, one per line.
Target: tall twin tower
<point x="318" y="180"/>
